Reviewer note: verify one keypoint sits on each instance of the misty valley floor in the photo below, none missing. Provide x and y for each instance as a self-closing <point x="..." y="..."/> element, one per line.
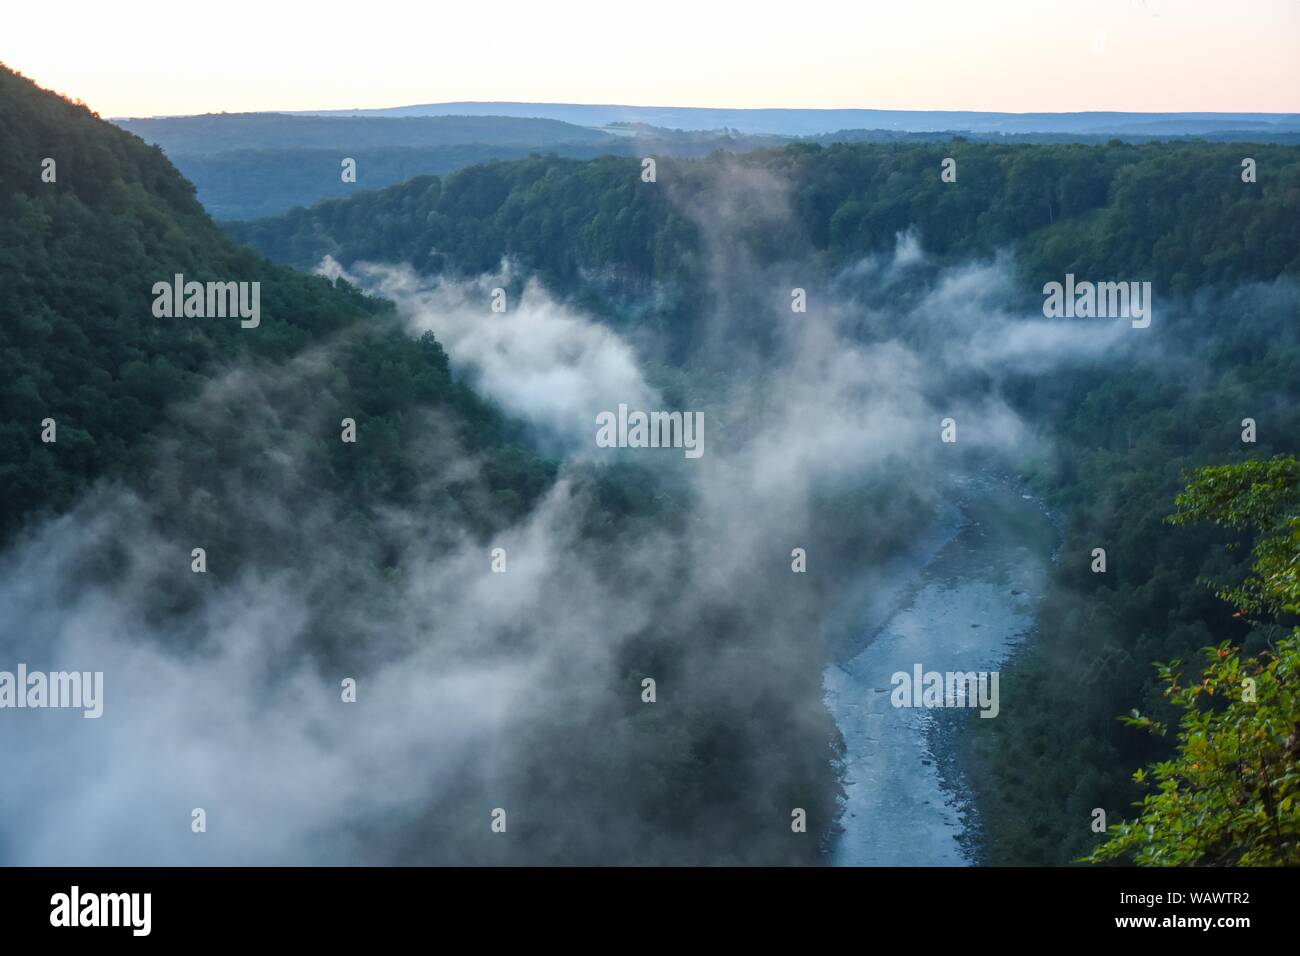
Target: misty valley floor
<point x="974" y="589"/>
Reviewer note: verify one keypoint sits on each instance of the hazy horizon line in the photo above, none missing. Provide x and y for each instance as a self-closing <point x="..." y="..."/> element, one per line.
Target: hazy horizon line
<point x="702" y="109"/>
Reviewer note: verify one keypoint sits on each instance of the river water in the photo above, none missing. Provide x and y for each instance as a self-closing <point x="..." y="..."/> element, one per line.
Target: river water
<point x="961" y="601"/>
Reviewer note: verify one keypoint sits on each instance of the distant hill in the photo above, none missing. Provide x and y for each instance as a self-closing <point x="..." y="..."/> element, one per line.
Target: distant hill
<point x="219" y="132"/>
<point x="252" y="165"/>
<point x="813" y="122"/>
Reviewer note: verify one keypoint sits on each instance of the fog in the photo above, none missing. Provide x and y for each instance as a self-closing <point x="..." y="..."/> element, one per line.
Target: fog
<point x="518" y="690"/>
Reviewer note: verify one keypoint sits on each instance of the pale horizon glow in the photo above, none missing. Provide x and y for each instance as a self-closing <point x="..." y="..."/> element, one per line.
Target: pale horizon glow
<point x="150" y="58"/>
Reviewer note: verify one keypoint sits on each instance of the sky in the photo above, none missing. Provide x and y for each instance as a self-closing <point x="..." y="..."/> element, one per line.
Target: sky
<point x="161" y="57"/>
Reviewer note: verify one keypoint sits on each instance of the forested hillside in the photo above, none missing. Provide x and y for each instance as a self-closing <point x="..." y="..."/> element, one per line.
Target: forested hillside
<point x="1228" y="797"/>
<point x="1126" y="435"/>
<point x="79" y="343"/>
<point x="595" y="232"/>
<point x="1093" y="210"/>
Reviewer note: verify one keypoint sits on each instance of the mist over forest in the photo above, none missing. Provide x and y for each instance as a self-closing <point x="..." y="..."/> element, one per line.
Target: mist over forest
<point x="497" y="585"/>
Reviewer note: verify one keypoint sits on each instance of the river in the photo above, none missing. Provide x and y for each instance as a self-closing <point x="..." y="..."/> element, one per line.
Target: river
<point x="963" y="600"/>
